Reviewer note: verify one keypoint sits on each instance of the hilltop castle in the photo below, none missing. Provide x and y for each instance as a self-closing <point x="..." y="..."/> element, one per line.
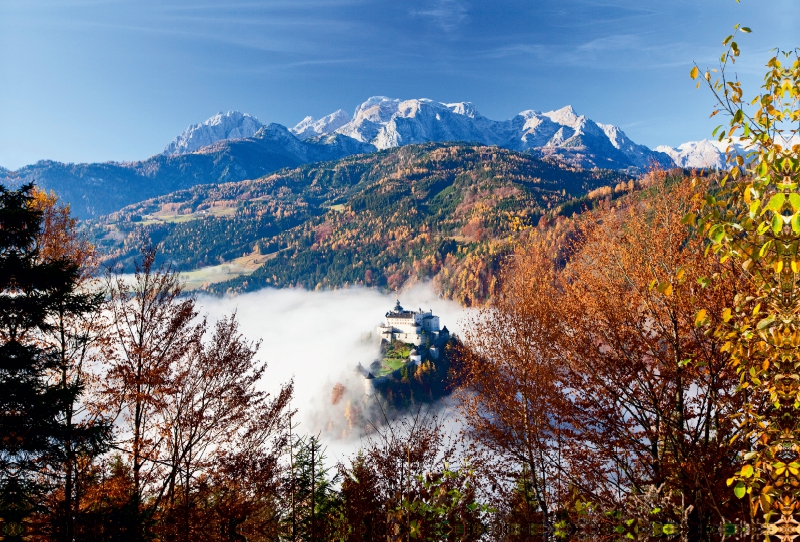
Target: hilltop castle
<point x="418" y="328"/>
<point x="411" y="327"/>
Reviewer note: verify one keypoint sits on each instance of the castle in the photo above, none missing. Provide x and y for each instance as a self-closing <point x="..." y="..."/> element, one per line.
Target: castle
<point x="411" y="327"/>
<point x="419" y="328"/>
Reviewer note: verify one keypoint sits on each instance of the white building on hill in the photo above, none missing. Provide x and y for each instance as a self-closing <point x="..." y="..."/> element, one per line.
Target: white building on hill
<point x="412" y="327"/>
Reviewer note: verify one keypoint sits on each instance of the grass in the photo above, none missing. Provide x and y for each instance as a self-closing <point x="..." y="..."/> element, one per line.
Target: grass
<point x="390" y="365"/>
<point x="173" y="218"/>
<point x="226" y="271"/>
<point x="395" y="364"/>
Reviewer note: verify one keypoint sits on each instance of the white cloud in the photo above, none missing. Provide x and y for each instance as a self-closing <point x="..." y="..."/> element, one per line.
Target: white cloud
<point x="447" y="14"/>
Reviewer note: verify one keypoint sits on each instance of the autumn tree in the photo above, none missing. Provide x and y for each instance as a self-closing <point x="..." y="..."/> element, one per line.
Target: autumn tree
<point x="652" y="393"/>
<point x="598" y="368"/>
<point x="201" y="441"/>
<point x="510" y="373"/>
<point x="213" y="409"/>
<point x="154" y="330"/>
<point x="751" y="219"/>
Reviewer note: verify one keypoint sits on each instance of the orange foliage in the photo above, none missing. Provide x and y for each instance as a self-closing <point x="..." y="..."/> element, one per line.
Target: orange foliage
<point x="587" y="370"/>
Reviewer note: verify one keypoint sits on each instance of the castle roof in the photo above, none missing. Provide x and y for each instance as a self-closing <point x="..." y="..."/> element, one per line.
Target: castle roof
<point x="399" y="312"/>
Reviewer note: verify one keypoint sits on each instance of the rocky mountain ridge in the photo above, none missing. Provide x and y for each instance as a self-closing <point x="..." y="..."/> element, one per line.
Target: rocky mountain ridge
<point x="390" y="122"/>
<point x="222" y="126"/>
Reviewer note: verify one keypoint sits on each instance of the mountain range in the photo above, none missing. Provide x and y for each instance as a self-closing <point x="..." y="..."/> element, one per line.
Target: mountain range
<point x="235" y="146"/>
<point x="97" y="189"/>
<point x="389" y="122"/>
<point x="704" y="154"/>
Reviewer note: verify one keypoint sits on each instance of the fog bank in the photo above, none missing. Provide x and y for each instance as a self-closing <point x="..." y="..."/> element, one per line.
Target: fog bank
<point x="319" y="337"/>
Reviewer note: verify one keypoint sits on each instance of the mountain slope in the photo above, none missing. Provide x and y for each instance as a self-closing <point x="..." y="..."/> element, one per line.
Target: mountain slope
<point x="410" y="213"/>
<point x="98" y="189"/>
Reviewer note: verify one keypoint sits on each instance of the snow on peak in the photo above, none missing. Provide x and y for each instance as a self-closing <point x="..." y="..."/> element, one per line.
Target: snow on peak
<point x="565" y="116"/>
<point x="697" y="154"/>
<point x="308" y="127"/>
<point x="710" y="153"/>
<point x="222" y="126"/>
<point x="390" y="122"/>
<point x="382" y="122"/>
<point x="464" y="108"/>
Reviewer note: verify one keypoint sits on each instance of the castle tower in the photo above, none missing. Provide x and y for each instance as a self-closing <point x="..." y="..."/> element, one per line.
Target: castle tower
<point x="369" y="385"/>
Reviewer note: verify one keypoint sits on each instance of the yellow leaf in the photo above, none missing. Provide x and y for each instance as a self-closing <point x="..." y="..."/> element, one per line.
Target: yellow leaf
<point x="700" y="318"/>
<point x="726" y="315"/>
<point x="694" y="73"/>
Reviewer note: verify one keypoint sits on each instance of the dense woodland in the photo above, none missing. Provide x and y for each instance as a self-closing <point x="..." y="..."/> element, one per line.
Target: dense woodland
<point x="591" y="404"/>
<point x="439" y="211"/>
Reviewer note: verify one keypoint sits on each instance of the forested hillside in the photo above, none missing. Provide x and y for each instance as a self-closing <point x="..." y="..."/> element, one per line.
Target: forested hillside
<point x="437" y="211"/>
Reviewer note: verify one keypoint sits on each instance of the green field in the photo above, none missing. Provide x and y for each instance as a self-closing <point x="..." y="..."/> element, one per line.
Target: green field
<point x="218" y="273"/>
<point x="174" y="218"/>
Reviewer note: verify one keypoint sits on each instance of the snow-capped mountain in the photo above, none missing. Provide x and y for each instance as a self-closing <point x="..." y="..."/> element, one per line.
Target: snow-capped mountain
<point x="308" y="127"/>
<point x="383" y="123"/>
<point x="220" y="127"/>
<point x="697" y="154"/>
<point x="390" y="122"/>
<point x="710" y="153"/>
<point x="234" y="146"/>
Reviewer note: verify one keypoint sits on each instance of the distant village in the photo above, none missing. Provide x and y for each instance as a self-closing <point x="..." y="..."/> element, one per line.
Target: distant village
<point x="414" y="335"/>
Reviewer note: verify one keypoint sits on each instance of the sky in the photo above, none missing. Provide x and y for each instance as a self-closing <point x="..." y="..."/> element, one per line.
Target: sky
<point x="97" y="80"/>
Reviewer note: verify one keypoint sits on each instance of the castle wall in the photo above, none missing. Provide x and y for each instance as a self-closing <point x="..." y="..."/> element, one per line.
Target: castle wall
<point x="409" y="326"/>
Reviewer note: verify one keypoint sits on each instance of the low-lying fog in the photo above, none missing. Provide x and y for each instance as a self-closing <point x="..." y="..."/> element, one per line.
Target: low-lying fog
<point x="319" y="337"/>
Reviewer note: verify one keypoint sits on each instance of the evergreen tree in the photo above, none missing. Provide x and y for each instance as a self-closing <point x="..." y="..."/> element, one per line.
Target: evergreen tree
<point x="312" y="499"/>
<point x="37" y="437"/>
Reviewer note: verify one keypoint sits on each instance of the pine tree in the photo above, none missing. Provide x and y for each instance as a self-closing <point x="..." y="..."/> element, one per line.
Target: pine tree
<point x="311" y="492"/>
<point x="37" y="438"/>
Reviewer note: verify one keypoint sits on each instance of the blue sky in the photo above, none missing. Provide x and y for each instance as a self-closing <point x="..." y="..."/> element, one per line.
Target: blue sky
<point x="95" y="80"/>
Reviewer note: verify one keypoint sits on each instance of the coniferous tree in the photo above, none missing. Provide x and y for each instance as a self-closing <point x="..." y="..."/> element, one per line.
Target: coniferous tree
<point x="311" y="492"/>
<point x="38" y="439"/>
